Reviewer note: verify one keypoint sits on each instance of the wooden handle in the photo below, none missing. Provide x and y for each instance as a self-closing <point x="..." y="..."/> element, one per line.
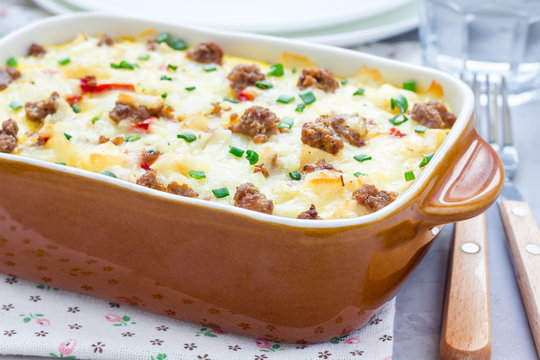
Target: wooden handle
<point x="466" y="332"/>
<point x="524" y="240"/>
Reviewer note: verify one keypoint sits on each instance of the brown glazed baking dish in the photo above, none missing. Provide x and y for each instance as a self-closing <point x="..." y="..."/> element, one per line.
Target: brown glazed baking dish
<point x="230" y="268"/>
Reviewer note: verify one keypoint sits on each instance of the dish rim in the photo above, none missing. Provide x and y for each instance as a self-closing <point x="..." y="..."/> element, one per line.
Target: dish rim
<point x="407" y="196"/>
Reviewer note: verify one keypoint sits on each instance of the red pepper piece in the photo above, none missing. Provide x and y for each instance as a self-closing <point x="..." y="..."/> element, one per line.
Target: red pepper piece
<point x="144" y="125"/>
<point x="73" y="99"/>
<point x="395" y="132"/>
<point x="89" y="84"/>
<point x="145" y="166"/>
<point x="245" y="96"/>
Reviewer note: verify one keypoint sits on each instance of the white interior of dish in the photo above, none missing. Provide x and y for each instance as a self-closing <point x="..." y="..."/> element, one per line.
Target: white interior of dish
<point x="342" y="62"/>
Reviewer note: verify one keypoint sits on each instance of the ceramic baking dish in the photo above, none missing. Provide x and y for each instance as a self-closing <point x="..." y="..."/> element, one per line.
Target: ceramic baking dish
<point x="242" y="271"/>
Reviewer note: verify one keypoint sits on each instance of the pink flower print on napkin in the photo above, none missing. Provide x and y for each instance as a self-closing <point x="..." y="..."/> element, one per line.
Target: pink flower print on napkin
<point x="353" y="340"/>
<point x="65" y="349"/>
<point x="40" y="320"/>
<point x="119" y="320"/>
<point x="267" y="345"/>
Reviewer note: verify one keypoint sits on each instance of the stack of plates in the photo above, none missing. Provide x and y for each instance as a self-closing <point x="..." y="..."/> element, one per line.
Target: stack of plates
<point x="344" y="23"/>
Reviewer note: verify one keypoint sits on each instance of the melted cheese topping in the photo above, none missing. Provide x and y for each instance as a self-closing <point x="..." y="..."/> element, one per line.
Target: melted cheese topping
<point x="330" y="191"/>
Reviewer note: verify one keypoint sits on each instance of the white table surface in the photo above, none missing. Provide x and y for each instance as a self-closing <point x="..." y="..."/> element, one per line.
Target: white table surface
<point x="420" y="302"/>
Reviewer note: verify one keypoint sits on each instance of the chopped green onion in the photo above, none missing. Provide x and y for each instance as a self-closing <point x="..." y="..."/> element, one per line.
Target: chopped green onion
<point x="236" y="151"/>
<point x="165" y="77"/>
<point x="109" y="173"/>
<point x="76" y="108"/>
<point x="64" y="61"/>
<point x="362" y="157"/>
<point x="177" y="44"/>
<point x="357" y="174"/>
<point x="164" y="95"/>
<point x="60" y="163"/>
<point x="252" y="157"/>
<point x="400" y="102"/>
<point x="221" y="193"/>
<point x="420" y="129"/>
<point x="67" y="136"/>
<point x="144" y="57"/>
<point x="172" y="67"/>
<point x="264" y="84"/>
<point x="300" y="107"/>
<point x="398" y="119"/>
<point x="360" y="91"/>
<point x="191" y="88"/>
<point x="410" y="85"/>
<point x="285" y="123"/>
<point x="276" y="70"/>
<point x="409" y="175"/>
<point x="132" y="137"/>
<point x="95" y="119"/>
<point x="285" y="99"/>
<point x="188" y="136"/>
<point x="163" y="37"/>
<point x="209" y="67"/>
<point x="15" y="105"/>
<point x="307" y="97"/>
<point x="234" y="101"/>
<point x="197" y="174"/>
<point x="343" y="81"/>
<point x="123" y="65"/>
<point x="12" y="62"/>
<point x="295" y="175"/>
<point x="426" y="160"/>
<point x="293" y="70"/>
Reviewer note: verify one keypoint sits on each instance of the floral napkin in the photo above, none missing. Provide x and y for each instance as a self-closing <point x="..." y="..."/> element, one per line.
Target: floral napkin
<point x="38" y="320"/>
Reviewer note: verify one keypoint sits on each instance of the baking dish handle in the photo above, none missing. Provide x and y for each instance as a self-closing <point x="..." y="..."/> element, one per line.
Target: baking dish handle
<point x="470" y="185"/>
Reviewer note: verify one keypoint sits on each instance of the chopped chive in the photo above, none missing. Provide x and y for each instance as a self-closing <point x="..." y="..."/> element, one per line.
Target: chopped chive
<point x="420" y="129"/>
<point x="362" y="157"/>
<point x="209" y="67"/>
<point x="64" y="61"/>
<point x="165" y="77"/>
<point x="293" y="70"/>
<point x="197" y="174"/>
<point x="295" y="175"/>
<point x="264" y="84"/>
<point x="163" y="37"/>
<point x="307" y="97"/>
<point x="221" y="192"/>
<point x="236" y="151"/>
<point x="399" y="102"/>
<point x="60" y="163"/>
<point x="15" y="105"/>
<point x="285" y="99"/>
<point x="357" y="174"/>
<point x="191" y="88"/>
<point x="234" y="101"/>
<point x="252" y="157"/>
<point x="123" y="65"/>
<point x="144" y="57"/>
<point x="276" y="70"/>
<point x="188" y="136"/>
<point x="164" y="95"/>
<point x="300" y="107"/>
<point x="285" y="123"/>
<point x="360" y="91"/>
<point x="177" y="44"/>
<point x="172" y="67"/>
<point x="109" y="173"/>
<point x="426" y="160"/>
<point x="12" y="62"/>
<point x="76" y="108"/>
<point x="67" y="136"/>
<point x="398" y="119"/>
<point x="409" y="175"/>
<point x="132" y="137"/>
<point x="410" y="85"/>
<point x="343" y="81"/>
<point x="95" y="119"/>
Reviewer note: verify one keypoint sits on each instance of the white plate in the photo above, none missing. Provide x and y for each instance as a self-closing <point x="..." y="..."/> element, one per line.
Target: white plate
<point x="275" y="17"/>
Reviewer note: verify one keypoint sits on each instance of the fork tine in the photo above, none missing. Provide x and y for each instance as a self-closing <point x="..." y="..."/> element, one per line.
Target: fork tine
<point x="507" y="128"/>
<point x="477" y="116"/>
<point x="493" y="111"/>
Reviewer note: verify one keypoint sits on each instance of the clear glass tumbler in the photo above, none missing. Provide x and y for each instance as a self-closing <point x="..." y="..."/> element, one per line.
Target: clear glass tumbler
<point x="486" y="36"/>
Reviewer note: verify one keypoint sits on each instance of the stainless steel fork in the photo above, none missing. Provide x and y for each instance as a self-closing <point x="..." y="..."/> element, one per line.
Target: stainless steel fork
<point x="521" y="228"/>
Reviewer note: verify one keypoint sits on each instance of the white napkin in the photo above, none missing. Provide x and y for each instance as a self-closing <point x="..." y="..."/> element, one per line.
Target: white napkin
<point x="37" y="320"/>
